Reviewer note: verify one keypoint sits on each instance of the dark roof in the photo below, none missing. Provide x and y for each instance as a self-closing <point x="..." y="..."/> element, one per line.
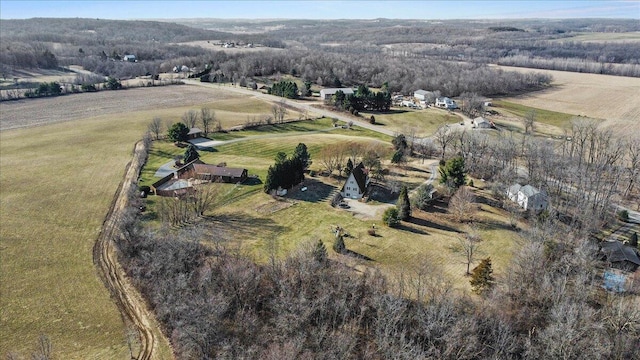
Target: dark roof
<point x="218" y="170"/>
<point x="360" y="175"/>
<point x="617" y="252"/>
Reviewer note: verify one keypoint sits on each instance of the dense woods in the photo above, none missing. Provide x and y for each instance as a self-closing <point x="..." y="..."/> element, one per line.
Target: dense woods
<point x="214" y="303"/>
<point x="449" y="56"/>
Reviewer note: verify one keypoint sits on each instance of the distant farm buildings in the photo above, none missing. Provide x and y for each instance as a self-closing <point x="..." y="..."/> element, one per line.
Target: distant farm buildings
<point x="326" y="94"/>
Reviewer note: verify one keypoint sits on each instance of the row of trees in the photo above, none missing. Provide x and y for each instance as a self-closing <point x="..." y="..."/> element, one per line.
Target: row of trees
<point x="190" y="119"/>
<point x="287" y="89"/>
<point x="362" y="99"/>
<point x="287" y="171"/>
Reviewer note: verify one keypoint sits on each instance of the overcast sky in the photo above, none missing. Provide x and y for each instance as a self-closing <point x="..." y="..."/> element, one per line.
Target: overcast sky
<point x="478" y="9"/>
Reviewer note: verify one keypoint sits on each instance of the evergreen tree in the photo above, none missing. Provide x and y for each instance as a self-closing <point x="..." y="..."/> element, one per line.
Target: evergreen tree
<point x="190" y="154"/>
<point x="320" y="252"/>
<point x="633" y="240"/>
<point x="178" y="132"/>
<point x="403" y="205"/>
<point x="482" y="277"/>
<point x="422" y="198"/>
<point x="301" y="153"/>
<point x="398" y="157"/>
<point x="453" y="173"/>
<point x="390" y="217"/>
<point x="349" y="167"/>
<point x="338" y="245"/>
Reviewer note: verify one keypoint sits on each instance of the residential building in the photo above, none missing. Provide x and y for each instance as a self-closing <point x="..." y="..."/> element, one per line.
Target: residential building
<point x="356" y="185"/>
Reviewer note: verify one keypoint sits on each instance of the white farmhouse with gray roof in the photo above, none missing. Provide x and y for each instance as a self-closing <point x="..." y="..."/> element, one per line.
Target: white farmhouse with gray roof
<point x="528" y="197"/>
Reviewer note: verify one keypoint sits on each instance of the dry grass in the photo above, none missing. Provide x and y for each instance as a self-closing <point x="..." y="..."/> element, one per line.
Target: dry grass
<point x="57" y="183"/>
<point x="424" y="122"/>
<point x="613" y="98"/>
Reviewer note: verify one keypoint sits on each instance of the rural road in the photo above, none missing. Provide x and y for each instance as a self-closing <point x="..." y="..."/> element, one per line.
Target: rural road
<point x="126" y="296"/>
<point x="300" y="105"/>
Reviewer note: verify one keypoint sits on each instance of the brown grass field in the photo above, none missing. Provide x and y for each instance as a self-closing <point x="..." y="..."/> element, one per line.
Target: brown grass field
<point x="612" y="98"/>
<point x="56" y="183"/>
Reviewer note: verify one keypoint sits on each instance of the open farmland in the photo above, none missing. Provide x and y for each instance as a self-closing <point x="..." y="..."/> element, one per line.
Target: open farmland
<point x="141" y="104"/>
<point x="608" y="37"/>
<point x="49" y="223"/>
<point x="613" y="98"/>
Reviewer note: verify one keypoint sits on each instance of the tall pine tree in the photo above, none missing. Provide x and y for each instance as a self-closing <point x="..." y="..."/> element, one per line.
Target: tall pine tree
<point x="403" y="205"/>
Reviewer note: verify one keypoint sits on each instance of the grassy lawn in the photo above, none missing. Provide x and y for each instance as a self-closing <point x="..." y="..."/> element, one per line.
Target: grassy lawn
<point x="558" y="119"/>
<point x="259" y="226"/>
<point x="425" y="122"/>
<point x="255" y="224"/>
<point x="57" y="182"/>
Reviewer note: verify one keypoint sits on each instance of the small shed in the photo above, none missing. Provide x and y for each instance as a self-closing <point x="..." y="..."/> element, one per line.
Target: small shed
<point x="129" y="58"/>
<point x="482" y="123"/>
<point x="194" y="133"/>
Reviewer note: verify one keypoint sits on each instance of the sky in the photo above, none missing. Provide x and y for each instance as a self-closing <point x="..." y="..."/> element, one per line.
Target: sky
<point x="301" y="9"/>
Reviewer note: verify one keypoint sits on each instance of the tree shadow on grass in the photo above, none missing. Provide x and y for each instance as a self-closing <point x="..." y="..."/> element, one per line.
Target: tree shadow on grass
<point x="316" y="191"/>
<point x="430" y="224"/>
<point x="410" y="229"/>
<point x="240" y="225"/>
<point x="356" y="255"/>
<point x="252" y="181"/>
<point x="496" y="225"/>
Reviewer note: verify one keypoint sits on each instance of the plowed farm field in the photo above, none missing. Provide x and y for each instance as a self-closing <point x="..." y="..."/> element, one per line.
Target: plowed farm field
<point x="612" y="98"/>
<point x="154" y="101"/>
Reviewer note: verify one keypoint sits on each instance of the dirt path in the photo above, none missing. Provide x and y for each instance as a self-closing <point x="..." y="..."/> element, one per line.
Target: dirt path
<point x="127" y="298"/>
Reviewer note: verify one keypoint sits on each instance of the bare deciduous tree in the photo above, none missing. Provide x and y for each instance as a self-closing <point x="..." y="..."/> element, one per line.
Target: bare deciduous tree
<point x="462" y="205"/>
<point x="190" y="118"/>
<point x="529" y="121"/>
<point x="468" y="248"/>
<point x="207" y="119"/>
<point x="279" y="111"/>
<point x="155" y="127"/>
<point x="443" y="137"/>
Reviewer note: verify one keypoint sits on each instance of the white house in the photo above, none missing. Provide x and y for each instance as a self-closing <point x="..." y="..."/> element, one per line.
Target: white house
<point x="326" y="94"/>
<point x="129" y="58"/>
<point x="356" y="185"/>
<point x="445" y="102"/>
<point x="528" y="197"/>
<point x="481" y="123"/>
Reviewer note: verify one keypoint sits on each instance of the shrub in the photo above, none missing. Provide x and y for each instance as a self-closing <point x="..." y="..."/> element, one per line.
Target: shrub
<point x="623" y="215"/>
<point x="471" y="183"/>
<point x="391" y="217"/>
